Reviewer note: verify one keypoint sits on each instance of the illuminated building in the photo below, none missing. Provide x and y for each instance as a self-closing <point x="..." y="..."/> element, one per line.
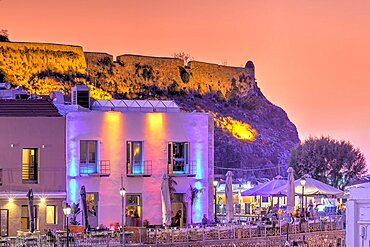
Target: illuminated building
<point x="133" y="144"/>
<point x="32" y="135"/>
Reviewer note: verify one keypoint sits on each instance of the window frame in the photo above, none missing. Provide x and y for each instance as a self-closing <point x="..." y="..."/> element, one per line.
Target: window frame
<point x="36" y="215"/>
<point x="87" y="167"/>
<point x="36" y="161"/>
<point x="55" y="215"/>
<point x="130" y="162"/>
<point x="180" y="168"/>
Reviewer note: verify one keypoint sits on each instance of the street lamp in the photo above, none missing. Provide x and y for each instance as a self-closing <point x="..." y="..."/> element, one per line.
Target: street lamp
<point x="215" y="183"/>
<point x="67" y="211"/>
<point x="122" y="192"/>
<point x="303" y="183"/>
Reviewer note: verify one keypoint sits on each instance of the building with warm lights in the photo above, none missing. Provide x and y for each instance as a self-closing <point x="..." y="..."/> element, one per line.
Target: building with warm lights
<point x="32" y="156"/>
<point x="132" y="144"/>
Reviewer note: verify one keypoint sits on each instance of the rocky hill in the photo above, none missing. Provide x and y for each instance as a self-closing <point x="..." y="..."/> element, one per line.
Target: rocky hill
<point x="252" y="135"/>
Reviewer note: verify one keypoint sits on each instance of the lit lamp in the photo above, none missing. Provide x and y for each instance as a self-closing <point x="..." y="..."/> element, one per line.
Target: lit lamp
<point x="303" y="183"/>
<point x="67" y="211"/>
<point x="215" y="183"/>
<point x="122" y="192"/>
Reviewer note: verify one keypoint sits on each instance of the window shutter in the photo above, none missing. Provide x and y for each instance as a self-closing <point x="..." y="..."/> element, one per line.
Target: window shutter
<point x="186" y="153"/>
<point x="170" y="152"/>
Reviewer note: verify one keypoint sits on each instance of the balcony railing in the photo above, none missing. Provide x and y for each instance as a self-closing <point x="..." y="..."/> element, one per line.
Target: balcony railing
<point x="180" y="168"/>
<point x="139" y="169"/>
<point x="101" y="168"/>
<point x="29" y="173"/>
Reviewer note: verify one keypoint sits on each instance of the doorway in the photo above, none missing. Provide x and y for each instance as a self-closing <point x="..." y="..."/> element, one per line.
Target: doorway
<point x="4" y="222"/>
<point x="179" y="209"/>
<point x="92" y="200"/>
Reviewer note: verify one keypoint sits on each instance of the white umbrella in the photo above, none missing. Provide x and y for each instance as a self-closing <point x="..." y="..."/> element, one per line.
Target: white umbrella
<point x="166" y="201"/>
<point x="265" y="188"/>
<point x="312" y="187"/>
<point x="229" y="196"/>
<point x="290" y="190"/>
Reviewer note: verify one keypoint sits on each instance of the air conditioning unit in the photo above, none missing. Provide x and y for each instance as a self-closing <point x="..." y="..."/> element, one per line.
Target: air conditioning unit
<point x="81" y="95"/>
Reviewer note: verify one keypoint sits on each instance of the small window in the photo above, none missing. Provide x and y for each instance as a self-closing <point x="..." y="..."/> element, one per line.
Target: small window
<point x="29" y="165"/>
<point x="135" y="157"/>
<point x="51" y="214"/>
<point x="88" y="157"/>
<point x="178" y="156"/>
<point x="1" y="177"/>
<point x="88" y="152"/>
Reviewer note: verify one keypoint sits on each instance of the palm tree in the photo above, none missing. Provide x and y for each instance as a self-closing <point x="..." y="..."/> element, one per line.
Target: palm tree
<point x="193" y="194"/>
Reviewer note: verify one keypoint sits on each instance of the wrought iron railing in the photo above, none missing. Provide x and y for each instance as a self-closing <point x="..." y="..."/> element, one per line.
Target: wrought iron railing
<point x="29" y="173"/>
<point x="101" y="168"/>
<point x="181" y="168"/>
<point x="139" y="168"/>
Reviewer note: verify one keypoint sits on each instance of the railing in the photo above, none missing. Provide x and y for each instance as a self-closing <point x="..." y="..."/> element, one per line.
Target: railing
<point x="180" y="168"/>
<point x="139" y="169"/>
<point x="29" y="173"/>
<point x="236" y="234"/>
<point x="101" y="168"/>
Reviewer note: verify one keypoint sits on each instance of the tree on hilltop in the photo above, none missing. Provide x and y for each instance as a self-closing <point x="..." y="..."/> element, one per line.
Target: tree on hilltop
<point x="4" y="36"/>
<point x="185" y="57"/>
<point x="331" y="161"/>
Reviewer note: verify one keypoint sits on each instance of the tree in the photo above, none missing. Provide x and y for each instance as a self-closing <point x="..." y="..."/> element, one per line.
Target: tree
<point x="331" y="161"/>
<point x="4" y="36"/>
<point x="185" y="57"/>
<point x="193" y="195"/>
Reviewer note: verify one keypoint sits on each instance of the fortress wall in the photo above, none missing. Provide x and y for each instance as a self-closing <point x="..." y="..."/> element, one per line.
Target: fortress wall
<point x="95" y="57"/>
<point x="215" y="77"/>
<point x="21" y="61"/>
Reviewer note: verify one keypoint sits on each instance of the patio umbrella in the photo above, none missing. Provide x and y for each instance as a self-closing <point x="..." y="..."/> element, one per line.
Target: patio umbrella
<point x="312" y="187"/>
<point x="166" y="201"/>
<point x="85" y="216"/>
<point x="265" y="188"/>
<point x="229" y="196"/>
<point x="30" y="210"/>
<point x="290" y="190"/>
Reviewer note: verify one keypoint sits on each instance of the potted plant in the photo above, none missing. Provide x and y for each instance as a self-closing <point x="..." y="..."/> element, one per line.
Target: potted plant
<point x="74" y="224"/>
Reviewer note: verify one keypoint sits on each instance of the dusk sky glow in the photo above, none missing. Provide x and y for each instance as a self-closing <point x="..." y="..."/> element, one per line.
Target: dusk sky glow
<point x="311" y="57"/>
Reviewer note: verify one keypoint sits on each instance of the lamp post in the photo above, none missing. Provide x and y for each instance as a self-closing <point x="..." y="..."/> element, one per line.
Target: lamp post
<point x="122" y="192"/>
<point x="215" y="183"/>
<point x="303" y="183"/>
<point x="67" y="211"/>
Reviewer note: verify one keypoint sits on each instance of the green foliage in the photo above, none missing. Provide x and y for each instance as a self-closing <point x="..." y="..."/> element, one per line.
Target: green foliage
<point x="2" y="76"/>
<point x="192" y="196"/>
<point x="333" y="162"/>
<point x="171" y="185"/>
<point x="145" y="71"/>
<point x="75" y="211"/>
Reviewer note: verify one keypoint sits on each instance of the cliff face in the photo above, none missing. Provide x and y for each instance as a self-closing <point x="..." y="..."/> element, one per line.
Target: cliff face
<point x="252" y="136"/>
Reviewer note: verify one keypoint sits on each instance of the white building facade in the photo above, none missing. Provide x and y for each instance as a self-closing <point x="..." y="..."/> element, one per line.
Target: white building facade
<point x="134" y="148"/>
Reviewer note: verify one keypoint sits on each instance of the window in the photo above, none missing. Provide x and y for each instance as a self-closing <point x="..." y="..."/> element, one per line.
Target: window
<point x="135" y="154"/>
<point x="51" y="214"/>
<point x="25" y="218"/>
<point x="178" y="157"/>
<point x="1" y="177"/>
<point x="88" y="157"/>
<point x="29" y="165"/>
<point x="133" y="210"/>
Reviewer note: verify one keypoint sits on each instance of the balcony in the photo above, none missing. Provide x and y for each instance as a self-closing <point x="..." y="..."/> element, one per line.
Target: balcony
<point x="101" y="168"/>
<point x="180" y="168"/>
<point x="139" y="169"/>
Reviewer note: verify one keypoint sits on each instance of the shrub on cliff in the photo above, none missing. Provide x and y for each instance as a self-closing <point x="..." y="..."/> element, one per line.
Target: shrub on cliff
<point x="185" y="76"/>
<point x="4" y="36"/>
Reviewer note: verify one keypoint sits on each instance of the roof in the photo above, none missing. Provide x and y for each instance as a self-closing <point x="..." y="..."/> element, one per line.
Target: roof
<point x="27" y="108"/>
<point x="136" y="105"/>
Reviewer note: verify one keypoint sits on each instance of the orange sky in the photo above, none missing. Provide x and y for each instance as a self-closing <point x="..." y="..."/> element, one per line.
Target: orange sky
<point x="311" y="56"/>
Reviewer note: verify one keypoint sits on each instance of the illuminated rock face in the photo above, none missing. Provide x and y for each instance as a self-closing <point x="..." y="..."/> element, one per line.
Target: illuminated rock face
<point x="250" y="132"/>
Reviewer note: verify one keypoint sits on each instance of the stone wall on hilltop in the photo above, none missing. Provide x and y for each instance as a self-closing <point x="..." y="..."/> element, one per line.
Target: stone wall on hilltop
<point x="130" y="72"/>
<point x="42" y="68"/>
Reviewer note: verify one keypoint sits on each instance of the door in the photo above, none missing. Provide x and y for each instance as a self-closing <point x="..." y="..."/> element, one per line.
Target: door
<point x="179" y="210"/>
<point x="92" y="200"/>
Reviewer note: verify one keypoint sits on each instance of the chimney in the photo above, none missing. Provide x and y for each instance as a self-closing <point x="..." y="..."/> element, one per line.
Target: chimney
<point x="81" y="95"/>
